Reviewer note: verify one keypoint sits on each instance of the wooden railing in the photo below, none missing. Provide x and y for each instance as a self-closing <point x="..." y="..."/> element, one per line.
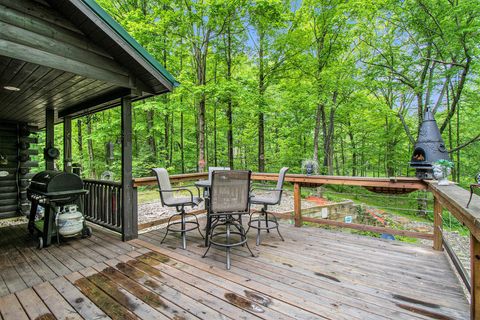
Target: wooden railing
<point x="454" y="199"/>
<point x="103" y="203"/>
<point x="451" y="198"/>
<point x="383" y="185"/>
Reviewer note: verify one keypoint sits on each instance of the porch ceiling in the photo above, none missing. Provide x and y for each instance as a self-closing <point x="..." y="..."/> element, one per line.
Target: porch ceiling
<point x="69" y="56"/>
<point x="42" y="87"/>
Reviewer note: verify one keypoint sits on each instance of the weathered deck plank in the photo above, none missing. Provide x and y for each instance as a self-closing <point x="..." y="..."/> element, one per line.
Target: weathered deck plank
<point x="33" y="305"/>
<point x="23" y="266"/>
<point x="346" y="265"/>
<point x="314" y="274"/>
<point x="77" y="300"/>
<point x="11" y="309"/>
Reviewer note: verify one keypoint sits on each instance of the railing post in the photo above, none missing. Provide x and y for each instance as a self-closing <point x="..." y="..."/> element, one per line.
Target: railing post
<point x="297" y="204"/>
<point x="129" y="218"/>
<point x="437" y="225"/>
<point x="475" y="277"/>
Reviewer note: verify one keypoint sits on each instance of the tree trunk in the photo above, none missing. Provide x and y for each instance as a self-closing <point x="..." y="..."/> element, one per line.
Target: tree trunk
<point x="323" y="117"/>
<point x="328" y="130"/>
<point x="391" y="142"/>
<point x="318" y="123"/>
<point x="134" y="134"/>
<point x="80" y="139"/>
<point x="201" y="61"/>
<point x="215" y="103"/>
<point x="182" y="152"/>
<point x="91" y="156"/>
<point x="229" y="102"/>
<point x="166" y="135"/>
<point x="342" y="149"/>
<point x="458" y="143"/>
<point x="261" y="118"/>
<point x="150" y="115"/>
<point x="329" y="147"/>
<point x="172" y="132"/>
<point x="201" y="134"/>
<point x="215" y="159"/>
<point x="354" y="149"/>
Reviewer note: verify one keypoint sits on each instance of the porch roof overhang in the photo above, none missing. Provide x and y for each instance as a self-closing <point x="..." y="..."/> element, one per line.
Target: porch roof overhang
<point x="70" y="56"/>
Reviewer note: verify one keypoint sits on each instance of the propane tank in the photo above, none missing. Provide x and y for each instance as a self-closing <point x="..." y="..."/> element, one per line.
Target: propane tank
<point x="70" y="221"/>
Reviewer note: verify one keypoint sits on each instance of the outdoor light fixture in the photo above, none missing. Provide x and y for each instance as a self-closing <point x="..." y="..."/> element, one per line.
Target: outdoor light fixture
<point x="11" y="88"/>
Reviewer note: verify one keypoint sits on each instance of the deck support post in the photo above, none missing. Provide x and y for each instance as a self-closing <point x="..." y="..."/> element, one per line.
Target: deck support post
<point x="129" y="206"/>
<point x="49" y="137"/>
<point x="475" y="277"/>
<point x="437" y="225"/>
<point x="297" y="204"/>
<point x="67" y="144"/>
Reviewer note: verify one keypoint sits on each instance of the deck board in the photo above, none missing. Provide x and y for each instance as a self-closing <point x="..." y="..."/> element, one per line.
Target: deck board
<point x="314" y="274"/>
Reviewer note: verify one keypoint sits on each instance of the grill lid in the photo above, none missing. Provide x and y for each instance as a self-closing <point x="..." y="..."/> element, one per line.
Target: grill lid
<point x="55" y="181"/>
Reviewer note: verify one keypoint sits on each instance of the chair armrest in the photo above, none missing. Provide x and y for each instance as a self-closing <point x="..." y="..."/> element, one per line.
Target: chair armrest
<point x="177" y="189"/>
<point x="189" y="185"/>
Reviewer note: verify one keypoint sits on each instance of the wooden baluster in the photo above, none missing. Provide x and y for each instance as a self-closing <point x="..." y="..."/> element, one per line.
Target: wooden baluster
<point x="102" y="203"/>
<point x="297" y="204"/>
<point x="437" y="225"/>
<point x="109" y="205"/>
<point x="475" y="277"/>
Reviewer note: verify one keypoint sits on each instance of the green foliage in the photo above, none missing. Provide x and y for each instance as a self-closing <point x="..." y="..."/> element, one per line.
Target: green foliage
<point x="359" y="73"/>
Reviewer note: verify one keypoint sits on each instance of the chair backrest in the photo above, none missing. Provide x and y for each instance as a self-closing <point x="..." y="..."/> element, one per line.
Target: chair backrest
<point x="163" y="180"/>
<point x="230" y="191"/>
<point x="281" y="179"/>
<point x="211" y="169"/>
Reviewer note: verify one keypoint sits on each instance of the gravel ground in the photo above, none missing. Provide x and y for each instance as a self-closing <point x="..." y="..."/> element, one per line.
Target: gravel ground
<point x="151" y="211"/>
<point x="13" y="221"/>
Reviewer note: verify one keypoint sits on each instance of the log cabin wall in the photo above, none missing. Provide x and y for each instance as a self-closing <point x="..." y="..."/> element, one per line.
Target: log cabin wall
<point x="16" y="141"/>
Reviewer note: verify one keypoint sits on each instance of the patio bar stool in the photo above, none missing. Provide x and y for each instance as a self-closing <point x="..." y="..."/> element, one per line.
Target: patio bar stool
<point x="264" y="221"/>
<point x="229" y="200"/>
<point x="168" y="199"/>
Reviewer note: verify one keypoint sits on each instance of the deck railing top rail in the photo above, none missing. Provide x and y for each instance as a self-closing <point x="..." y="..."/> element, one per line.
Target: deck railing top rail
<point x="454" y="199"/>
<point x="393" y="182"/>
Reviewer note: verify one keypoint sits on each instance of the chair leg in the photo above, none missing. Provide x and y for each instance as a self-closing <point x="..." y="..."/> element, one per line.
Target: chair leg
<point x="266" y="219"/>
<point x="246" y="243"/>
<point x="278" y="230"/>
<point x="249" y="222"/>
<point x="198" y="226"/>
<point x="168" y="224"/>
<point x="228" y="248"/>
<point x="184" y="234"/>
<point x="208" y="248"/>
<point x="207" y="230"/>
<point x="258" y="231"/>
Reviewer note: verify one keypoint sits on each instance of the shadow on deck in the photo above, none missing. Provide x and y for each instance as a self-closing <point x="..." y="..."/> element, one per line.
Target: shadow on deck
<point x="314" y="274"/>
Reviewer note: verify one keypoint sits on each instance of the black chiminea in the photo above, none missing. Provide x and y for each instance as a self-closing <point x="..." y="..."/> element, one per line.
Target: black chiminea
<point x="429" y="147"/>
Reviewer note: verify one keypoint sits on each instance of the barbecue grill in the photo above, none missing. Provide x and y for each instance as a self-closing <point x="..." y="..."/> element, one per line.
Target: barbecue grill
<point x="52" y="190"/>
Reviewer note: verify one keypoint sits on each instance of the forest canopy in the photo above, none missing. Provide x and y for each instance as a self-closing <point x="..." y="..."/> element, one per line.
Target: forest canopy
<point x="269" y="83"/>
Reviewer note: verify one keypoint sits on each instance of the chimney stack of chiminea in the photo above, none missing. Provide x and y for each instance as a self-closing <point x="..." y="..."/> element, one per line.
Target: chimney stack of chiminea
<point x="429" y="147"/>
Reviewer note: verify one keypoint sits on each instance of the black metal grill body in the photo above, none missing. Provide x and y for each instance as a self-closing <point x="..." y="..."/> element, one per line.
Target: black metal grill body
<point x="429" y="148"/>
<point x="51" y="189"/>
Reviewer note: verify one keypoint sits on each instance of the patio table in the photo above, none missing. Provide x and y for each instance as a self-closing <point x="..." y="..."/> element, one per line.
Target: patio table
<point x="206" y="184"/>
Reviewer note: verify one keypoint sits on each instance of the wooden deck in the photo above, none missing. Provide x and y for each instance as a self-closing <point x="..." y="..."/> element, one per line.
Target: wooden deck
<point x="314" y="274"/>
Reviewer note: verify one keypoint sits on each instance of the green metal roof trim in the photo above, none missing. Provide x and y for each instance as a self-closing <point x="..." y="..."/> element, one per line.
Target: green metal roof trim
<point x="95" y="7"/>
